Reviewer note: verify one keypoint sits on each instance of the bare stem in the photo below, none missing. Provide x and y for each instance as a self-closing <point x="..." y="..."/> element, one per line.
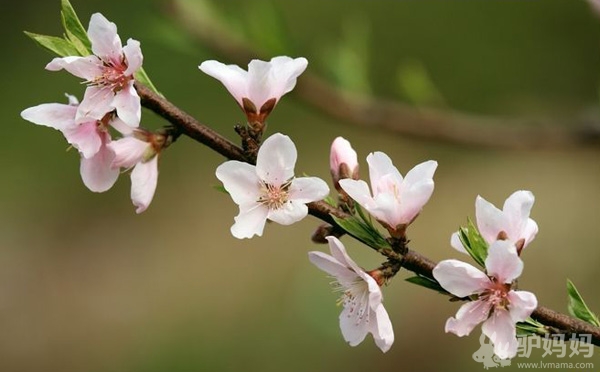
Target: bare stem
<point x="411" y="260"/>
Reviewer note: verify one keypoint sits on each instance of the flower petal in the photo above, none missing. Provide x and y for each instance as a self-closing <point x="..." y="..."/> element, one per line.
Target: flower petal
<point x="121" y="127"/>
<point x="88" y="68"/>
<point x="413" y="198"/>
<point x="133" y="57"/>
<point x="490" y="220"/>
<point x="233" y="77"/>
<point x="97" y="102"/>
<point x="106" y="43"/>
<point x="276" y="160"/>
<point x="240" y="180"/>
<point x="521" y="305"/>
<point x="250" y="221"/>
<point x="357" y="190"/>
<point x="127" y="103"/>
<point x="456" y="243"/>
<point x="353" y="329"/>
<point x="500" y="329"/>
<point x="308" y="189"/>
<point x="289" y="213"/>
<point x="380" y="166"/>
<point x="467" y="317"/>
<point x="381" y="328"/>
<point x="459" y="278"/>
<point x="421" y="172"/>
<point x="330" y="265"/>
<point x="128" y="151"/>
<point x="144" y="179"/>
<point x="96" y="172"/>
<point x="283" y="75"/>
<point x="503" y="262"/>
<point x="85" y="138"/>
<point x="53" y="115"/>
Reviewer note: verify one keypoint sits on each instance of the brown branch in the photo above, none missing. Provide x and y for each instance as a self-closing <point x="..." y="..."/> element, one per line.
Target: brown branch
<point x="425" y="123"/>
<point x="412" y="260"/>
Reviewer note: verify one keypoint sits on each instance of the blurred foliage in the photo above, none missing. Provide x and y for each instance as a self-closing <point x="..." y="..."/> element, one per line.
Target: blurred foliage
<point x="88" y="285"/>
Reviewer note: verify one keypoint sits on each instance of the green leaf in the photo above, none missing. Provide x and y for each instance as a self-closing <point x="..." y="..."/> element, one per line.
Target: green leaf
<point x="143" y="78"/>
<point x="363" y="232"/>
<point x="221" y="188"/>
<point x="531" y="327"/>
<point x="577" y="306"/>
<point x="74" y="29"/>
<point x="473" y="242"/>
<point x="54" y="44"/>
<point x="427" y="283"/>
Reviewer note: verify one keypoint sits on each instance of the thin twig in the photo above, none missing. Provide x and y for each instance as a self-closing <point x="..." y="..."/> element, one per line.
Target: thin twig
<point x="412" y="260"/>
<point x="426" y="123"/>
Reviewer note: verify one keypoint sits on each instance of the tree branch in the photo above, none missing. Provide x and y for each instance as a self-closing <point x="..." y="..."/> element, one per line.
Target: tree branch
<point x="431" y="124"/>
<point x="413" y="261"/>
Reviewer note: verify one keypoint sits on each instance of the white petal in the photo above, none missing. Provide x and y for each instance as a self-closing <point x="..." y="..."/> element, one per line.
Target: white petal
<point x="289" y="213"/>
<point x="381" y="328"/>
<point x="421" y="172"/>
<point x="414" y="197"/>
<point x="233" y="77"/>
<point x="127" y="103"/>
<point x="121" y="127"/>
<point x="330" y="265"/>
<point x="284" y="73"/>
<point x="529" y="231"/>
<point x="144" y="179"/>
<point x="250" y="221"/>
<point x="308" y="189"/>
<point x="338" y="251"/>
<point x="500" y="329"/>
<point x="380" y="166"/>
<point x="456" y="243"/>
<point x="503" y="262"/>
<point x="133" y="56"/>
<point x="85" y="138"/>
<point x="387" y="208"/>
<point x="467" y="317"/>
<point x="490" y="220"/>
<point x="240" y="181"/>
<point x="276" y="160"/>
<point x="260" y="82"/>
<point x="97" y="102"/>
<point x="353" y="330"/>
<point x="96" y="172"/>
<point x="517" y="208"/>
<point x="521" y="305"/>
<point x="357" y="190"/>
<point x="128" y="151"/>
<point x="53" y="115"/>
<point x="106" y="44"/>
<point x="88" y="68"/>
<point x="459" y="278"/>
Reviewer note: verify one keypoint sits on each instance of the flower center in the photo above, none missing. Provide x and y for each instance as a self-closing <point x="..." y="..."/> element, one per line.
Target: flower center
<point x="113" y="76"/>
<point x="497" y="295"/>
<point x="274" y="197"/>
<point x="356" y="299"/>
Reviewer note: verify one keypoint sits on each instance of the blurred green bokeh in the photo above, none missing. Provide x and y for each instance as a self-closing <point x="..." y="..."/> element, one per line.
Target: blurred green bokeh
<point x="88" y="285"/>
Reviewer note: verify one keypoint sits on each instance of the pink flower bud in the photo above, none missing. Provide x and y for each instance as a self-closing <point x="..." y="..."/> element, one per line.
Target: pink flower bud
<point x="343" y="161"/>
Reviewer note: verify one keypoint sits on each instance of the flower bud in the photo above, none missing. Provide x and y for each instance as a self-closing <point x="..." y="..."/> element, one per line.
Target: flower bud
<point x="343" y="161"/>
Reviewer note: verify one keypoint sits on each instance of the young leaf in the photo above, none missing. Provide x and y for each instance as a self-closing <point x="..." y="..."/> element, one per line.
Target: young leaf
<point x="577" y="306"/>
<point x="427" y="283"/>
<point x="143" y="78"/>
<point x="473" y="242"/>
<point x="74" y="29"/>
<point x="530" y="327"/>
<point x="54" y="44"/>
<point x="363" y="232"/>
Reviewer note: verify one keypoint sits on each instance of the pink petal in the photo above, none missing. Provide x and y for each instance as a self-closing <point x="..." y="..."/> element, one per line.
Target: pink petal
<point x="500" y="329"/>
<point x="128" y="151"/>
<point x="468" y="316"/>
<point x="490" y="220"/>
<point x="380" y="166"/>
<point x="106" y="43"/>
<point x="503" y="262"/>
<point x="413" y="198"/>
<point x="240" y="181"/>
<point x="381" y="328"/>
<point x="342" y="153"/>
<point x="96" y="172"/>
<point x="276" y="160"/>
<point x="88" y="68"/>
<point x="85" y="138"/>
<point x="250" y="221"/>
<point x="121" y="127"/>
<point x="97" y="102"/>
<point x="133" y="57"/>
<point x="291" y="212"/>
<point x="456" y="243"/>
<point x="331" y="266"/>
<point x="529" y="231"/>
<point x="144" y="179"/>
<point x="521" y="305"/>
<point x="459" y="278"/>
<point x="233" y="77"/>
<point x="127" y="103"/>
<point x="308" y="189"/>
<point x="53" y="115"/>
<point x="387" y="208"/>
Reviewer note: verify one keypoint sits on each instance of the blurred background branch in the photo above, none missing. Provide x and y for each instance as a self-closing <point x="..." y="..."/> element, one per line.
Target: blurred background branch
<point x="351" y="100"/>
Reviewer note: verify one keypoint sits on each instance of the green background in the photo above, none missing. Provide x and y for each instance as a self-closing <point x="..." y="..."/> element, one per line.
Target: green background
<point x="88" y="285"/>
